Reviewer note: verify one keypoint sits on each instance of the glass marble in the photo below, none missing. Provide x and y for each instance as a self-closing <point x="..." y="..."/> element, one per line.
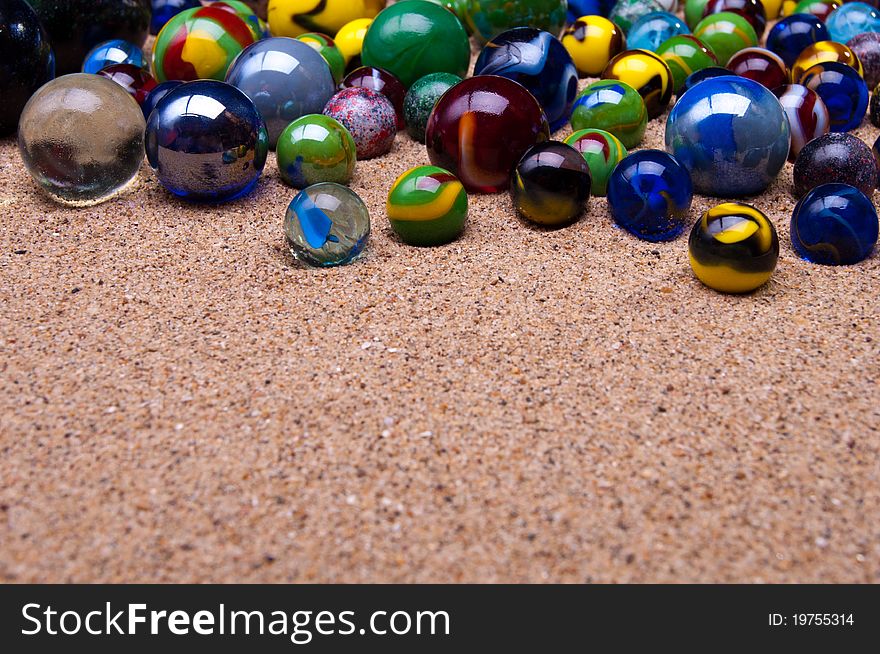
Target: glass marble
<point x="414" y="38"/>
<point x="551" y="184"/>
<point x="772" y="8"/>
<point x="157" y="93"/>
<point x="421" y="99"/>
<point x="733" y="248"/>
<point x="851" y="19"/>
<point x="821" y="9"/>
<point x="592" y="41"/>
<point x="206" y="141"/>
<point x="368" y="116"/>
<point x="685" y="55"/>
<point x="488" y="18"/>
<point x="761" y="65"/>
<point x="647" y="73"/>
<point x="326" y="225"/>
<point x="614" y="107"/>
<point x="726" y="34"/>
<point x="700" y="76"/>
<point x="842" y="90"/>
<point x="806" y="113"/>
<point x="350" y="41"/>
<point x="793" y="34"/>
<point x="538" y="61"/>
<point x="77" y="26"/>
<point x="650" y="194"/>
<point x="841" y="158"/>
<point x="866" y="47"/>
<point x="295" y="17"/>
<point x="693" y="12"/>
<point x="81" y="138"/>
<point x="137" y="82"/>
<point x="427" y="206"/>
<point x="26" y="60"/>
<point x="602" y="151"/>
<point x="834" y="225"/>
<point x="731" y="134"/>
<point x="578" y="8"/>
<point x="165" y="10"/>
<point x="481" y="127"/>
<point x="821" y="52"/>
<point x="626" y="12"/>
<point x="751" y="10"/>
<point x="326" y="47"/>
<point x="313" y="149"/>
<point x="199" y="43"/>
<point x="649" y="31"/>
<point x="380" y="81"/>
<point x="285" y="78"/>
<point x="247" y="14"/>
<point x="115" y="51"/>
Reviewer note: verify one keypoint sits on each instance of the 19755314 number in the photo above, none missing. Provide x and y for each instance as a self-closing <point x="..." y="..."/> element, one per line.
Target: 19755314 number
<point x="811" y="620"/>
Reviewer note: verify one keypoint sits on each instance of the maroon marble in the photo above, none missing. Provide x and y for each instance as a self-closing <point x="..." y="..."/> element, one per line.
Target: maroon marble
<point x="866" y="47"/>
<point x="133" y="79"/>
<point x="760" y="65"/>
<point x="380" y="81"/>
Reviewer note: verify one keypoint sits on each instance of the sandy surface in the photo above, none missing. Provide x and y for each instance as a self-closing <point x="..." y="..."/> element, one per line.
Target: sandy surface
<point x="180" y="401"/>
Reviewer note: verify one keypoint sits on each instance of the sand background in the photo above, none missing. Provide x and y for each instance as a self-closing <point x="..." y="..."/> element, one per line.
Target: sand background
<point x="180" y="401"/>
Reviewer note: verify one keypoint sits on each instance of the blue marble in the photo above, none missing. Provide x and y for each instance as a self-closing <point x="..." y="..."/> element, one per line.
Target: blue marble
<point x="206" y="141"/>
<point x="115" y="51"/>
<point x="651" y="30"/>
<point x="842" y="90"/>
<point x="792" y="34"/>
<point x="731" y="133"/>
<point x="165" y="10"/>
<point x="578" y="8"/>
<point x="834" y="224"/>
<point x="700" y="76"/>
<point x="851" y="19"/>
<point x="650" y="194"/>
<point x="285" y="78"/>
<point x="538" y="61"/>
<point x="158" y="92"/>
<point x="326" y="224"/>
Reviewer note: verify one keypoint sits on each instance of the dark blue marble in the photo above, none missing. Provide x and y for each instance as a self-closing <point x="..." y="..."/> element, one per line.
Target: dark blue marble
<point x="538" y="61"/>
<point x="165" y="10"/>
<point x="157" y="94"/>
<point x="700" y="76"/>
<point x="834" y="224"/>
<point x="115" y="51"/>
<point x="842" y="90"/>
<point x="649" y="194"/>
<point x="578" y="8"/>
<point x="206" y="141"/>
<point x="731" y="133"/>
<point x="792" y="34"/>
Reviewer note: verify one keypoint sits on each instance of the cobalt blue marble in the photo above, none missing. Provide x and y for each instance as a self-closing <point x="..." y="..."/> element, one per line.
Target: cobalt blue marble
<point x="731" y="133"/>
<point x="158" y="92"/>
<point x="842" y="90"/>
<point x="851" y="19"/>
<point x="650" y="194"/>
<point x="165" y="10"/>
<point x="651" y="30"/>
<point x="792" y="34"/>
<point x="700" y="76"/>
<point x="578" y="8"/>
<point x="538" y="61"/>
<point x="834" y="224"/>
<point x="115" y="51"/>
<point x="206" y="141"/>
<point x="285" y="78"/>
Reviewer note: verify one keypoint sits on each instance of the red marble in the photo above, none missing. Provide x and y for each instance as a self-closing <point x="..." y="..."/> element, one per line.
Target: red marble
<point x="760" y="65"/>
<point x="752" y="10"/>
<point x="133" y="79"/>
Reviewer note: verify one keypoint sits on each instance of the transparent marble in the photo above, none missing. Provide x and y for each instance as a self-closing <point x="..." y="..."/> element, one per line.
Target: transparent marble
<point x="81" y="137"/>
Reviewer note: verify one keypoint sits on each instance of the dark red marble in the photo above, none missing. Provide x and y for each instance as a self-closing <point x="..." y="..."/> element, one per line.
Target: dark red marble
<point x="380" y="81"/>
<point x="751" y="10"/>
<point x="760" y="65"/>
<point x="133" y="79"/>
<point x="481" y="128"/>
<point x="821" y="9"/>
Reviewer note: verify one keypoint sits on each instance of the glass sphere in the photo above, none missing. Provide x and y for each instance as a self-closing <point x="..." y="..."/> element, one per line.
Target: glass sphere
<point x="81" y="138"/>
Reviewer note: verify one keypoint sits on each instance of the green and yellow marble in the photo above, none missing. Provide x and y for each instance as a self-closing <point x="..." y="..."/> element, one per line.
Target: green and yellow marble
<point x="427" y="206"/>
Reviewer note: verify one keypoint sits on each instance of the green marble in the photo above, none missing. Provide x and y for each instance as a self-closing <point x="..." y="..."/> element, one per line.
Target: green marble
<point x="420" y="101"/>
<point x="315" y="148"/>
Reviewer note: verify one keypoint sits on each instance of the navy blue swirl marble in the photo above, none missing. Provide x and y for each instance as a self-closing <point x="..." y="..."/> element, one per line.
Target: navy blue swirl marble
<point x="842" y="90"/>
<point x="538" y="61"/>
<point x="206" y="141"/>
<point x="792" y="34"/>
<point x="650" y="194"/>
<point x="731" y="133"/>
<point x="834" y="224"/>
<point x="700" y="76"/>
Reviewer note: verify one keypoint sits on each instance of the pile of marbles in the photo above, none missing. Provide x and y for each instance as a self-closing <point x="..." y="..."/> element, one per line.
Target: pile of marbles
<point x="744" y="85"/>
